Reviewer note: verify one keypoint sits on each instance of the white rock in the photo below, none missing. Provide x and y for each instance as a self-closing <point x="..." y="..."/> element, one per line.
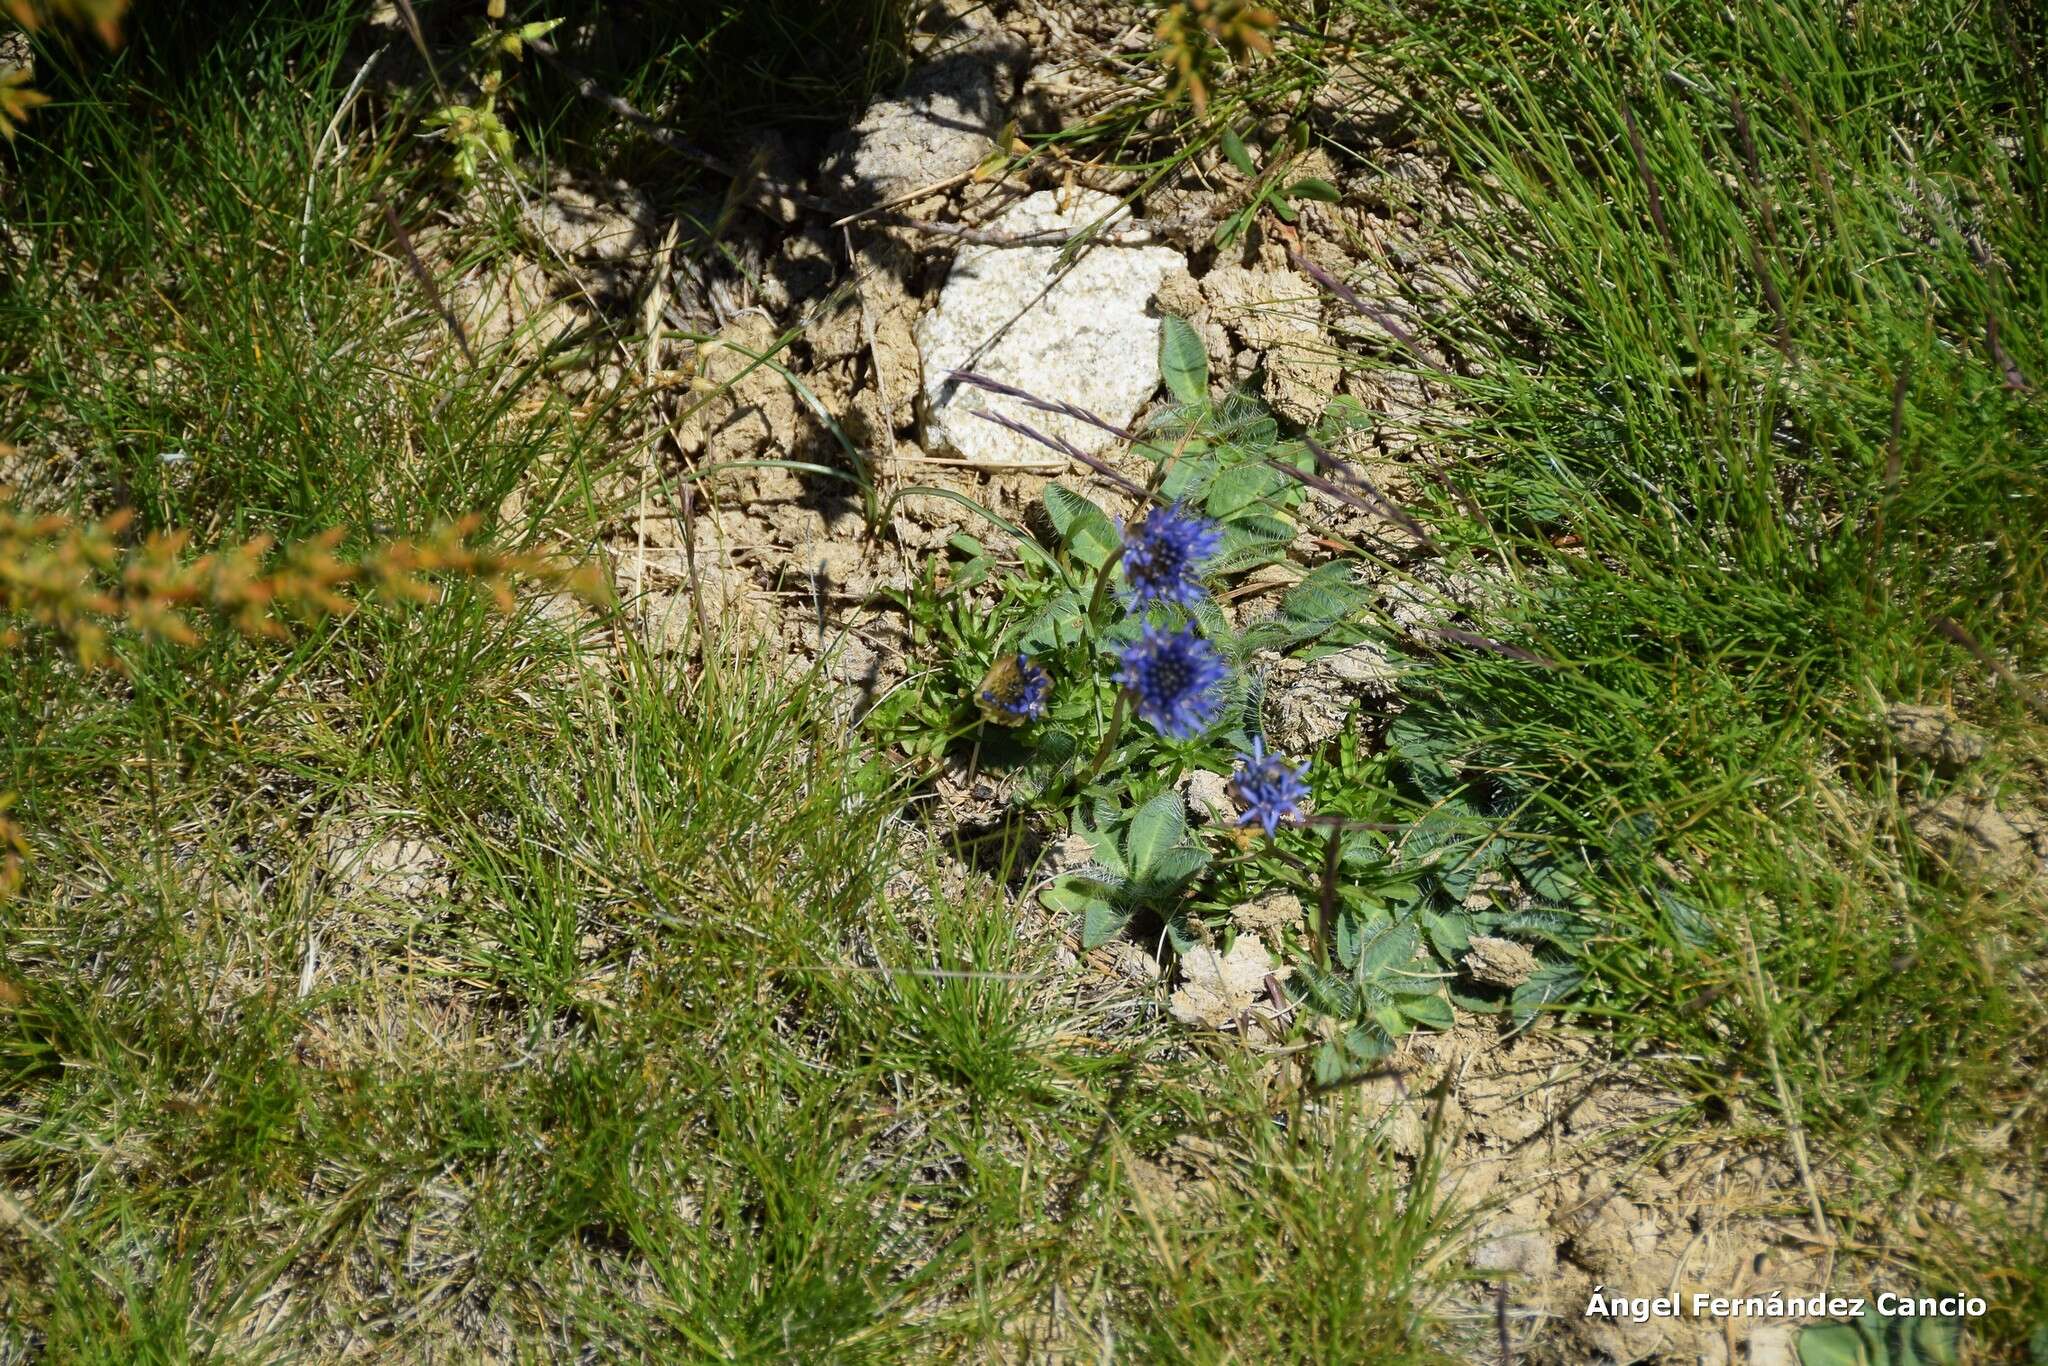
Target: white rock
<point x="942" y="125"/>
<point x="1092" y="339"/>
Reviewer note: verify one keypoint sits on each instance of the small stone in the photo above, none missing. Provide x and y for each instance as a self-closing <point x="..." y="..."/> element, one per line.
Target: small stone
<point x="1069" y="854"/>
<point x="1499" y="962"/>
<point x="1521" y="1254"/>
<point x="1217" y="988"/>
<point x="1516" y="1241"/>
<point x="383" y="866"/>
<point x="1132" y="962"/>
<point x="1934" y="734"/>
<point x="1491" y="888"/>
<point x="753" y="411"/>
<point x="942" y="125"/>
<point x="837" y="566"/>
<point x="513" y="300"/>
<point x="1182" y="297"/>
<point x="1208" y="798"/>
<point x="1363" y="668"/>
<point x="1774" y="1344"/>
<point x="1085" y="335"/>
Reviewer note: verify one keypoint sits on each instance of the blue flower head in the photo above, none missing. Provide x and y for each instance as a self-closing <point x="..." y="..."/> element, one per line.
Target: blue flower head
<point x="1163" y="555"/>
<point x="1014" y="691"/>
<point x="1175" y="677"/>
<point x="1271" y="788"/>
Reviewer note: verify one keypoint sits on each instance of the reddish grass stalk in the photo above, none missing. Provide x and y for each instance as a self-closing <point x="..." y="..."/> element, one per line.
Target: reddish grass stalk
<point x="1649" y="177"/>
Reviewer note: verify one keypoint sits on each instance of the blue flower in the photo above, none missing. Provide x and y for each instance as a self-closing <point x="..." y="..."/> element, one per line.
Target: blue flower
<point x="1174" y="675"/>
<point x="1271" y="788"/>
<point x="1164" y="554"/>
<point x="1014" y="691"/>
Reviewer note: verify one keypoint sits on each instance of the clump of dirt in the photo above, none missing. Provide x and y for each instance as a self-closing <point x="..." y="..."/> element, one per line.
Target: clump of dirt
<point x="1935" y="734"/>
<point x="1997" y="844"/>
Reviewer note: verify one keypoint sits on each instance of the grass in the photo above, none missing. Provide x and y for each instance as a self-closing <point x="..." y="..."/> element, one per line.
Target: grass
<point x="1737" y="423"/>
<point x="449" y="982"/>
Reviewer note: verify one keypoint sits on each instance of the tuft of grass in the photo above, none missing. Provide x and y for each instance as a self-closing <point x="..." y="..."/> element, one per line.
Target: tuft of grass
<point x="1748" y="435"/>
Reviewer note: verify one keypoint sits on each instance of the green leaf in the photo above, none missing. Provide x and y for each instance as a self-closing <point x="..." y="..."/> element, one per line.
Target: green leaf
<point x="1250" y="540"/>
<point x="1159" y="825"/>
<point x="1066" y="895"/>
<point x="1240" y="157"/>
<point x="1332" y="1065"/>
<point x="1937" y="1340"/>
<point x="1387" y="1019"/>
<point x="1314" y="187"/>
<point x="1393" y="947"/>
<point x="1089" y="535"/>
<point x="1354" y="928"/>
<point x="1057" y="747"/>
<point x="1284" y="210"/>
<point x="1106" y="852"/>
<point x="1688" y="921"/>
<point x="1190" y="474"/>
<point x="1061" y="620"/>
<point x="1183" y="359"/>
<point x="1369" y="1042"/>
<point x="1325" y="993"/>
<point x="1552" y="983"/>
<point x="1240" y="486"/>
<point x="1836" y="1344"/>
<point x="1328" y="593"/>
<point x="1449" y="935"/>
<point x="1475" y="1004"/>
<point x="1102" y="923"/>
<point x="1431" y="1012"/>
<point x="1458" y="870"/>
<point x="1548" y="881"/>
<point x="1169" y="872"/>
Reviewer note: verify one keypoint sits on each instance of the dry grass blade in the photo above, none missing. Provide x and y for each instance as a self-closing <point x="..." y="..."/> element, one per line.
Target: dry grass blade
<point x="1351" y="297"/>
<point x="425" y="279"/>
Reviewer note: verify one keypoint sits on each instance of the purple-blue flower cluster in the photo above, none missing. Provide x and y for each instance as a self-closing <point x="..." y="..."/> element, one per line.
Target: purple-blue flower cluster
<point x="1271" y="788"/>
<point x="1164" y="554"/>
<point x="1015" y="690"/>
<point x="1176" y="679"/>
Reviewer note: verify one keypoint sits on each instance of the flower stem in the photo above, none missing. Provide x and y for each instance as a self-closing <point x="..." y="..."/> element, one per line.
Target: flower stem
<point x="1326" y="909"/>
<point x="1101" y="594"/>
<point x="1109" y="738"/>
